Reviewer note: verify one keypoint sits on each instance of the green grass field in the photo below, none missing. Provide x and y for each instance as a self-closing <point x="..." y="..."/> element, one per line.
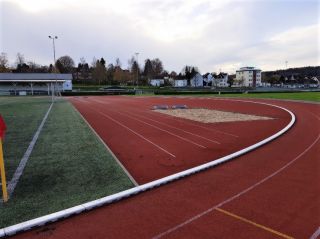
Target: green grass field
<point x="68" y="166"/>
<point x="305" y="96"/>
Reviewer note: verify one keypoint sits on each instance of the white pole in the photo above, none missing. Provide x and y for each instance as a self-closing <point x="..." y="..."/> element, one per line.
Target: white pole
<point x="137" y="55"/>
<point x="54" y="62"/>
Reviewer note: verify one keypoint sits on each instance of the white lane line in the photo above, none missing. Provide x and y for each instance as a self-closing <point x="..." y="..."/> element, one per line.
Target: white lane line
<point x="173" y="127"/>
<point x="199" y="126"/>
<point x="316" y="234"/>
<point x="154" y="126"/>
<point x="37" y="222"/>
<point x="109" y="150"/>
<point x="136" y="133"/>
<point x="16" y="176"/>
<point x="166" y="131"/>
<point x="235" y="196"/>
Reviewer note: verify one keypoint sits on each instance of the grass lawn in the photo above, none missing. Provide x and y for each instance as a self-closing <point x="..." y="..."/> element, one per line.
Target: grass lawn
<point x="308" y="96"/>
<point x="68" y="165"/>
<point x="305" y="96"/>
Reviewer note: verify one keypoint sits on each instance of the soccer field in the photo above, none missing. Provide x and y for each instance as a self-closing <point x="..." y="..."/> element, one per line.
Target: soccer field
<point x="68" y="165"/>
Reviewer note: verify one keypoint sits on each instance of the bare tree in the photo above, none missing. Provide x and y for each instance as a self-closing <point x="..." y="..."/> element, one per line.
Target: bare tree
<point x="99" y="72"/>
<point x="118" y="62"/>
<point x="4" y="62"/>
<point x="20" y="60"/>
<point x="157" y="67"/>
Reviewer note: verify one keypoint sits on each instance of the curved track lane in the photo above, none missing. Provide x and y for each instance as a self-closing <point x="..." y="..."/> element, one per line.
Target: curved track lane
<point x="272" y="192"/>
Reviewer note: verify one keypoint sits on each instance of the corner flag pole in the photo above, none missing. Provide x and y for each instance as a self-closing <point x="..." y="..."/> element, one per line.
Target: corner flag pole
<point x="2" y="170"/>
<point x="3" y="175"/>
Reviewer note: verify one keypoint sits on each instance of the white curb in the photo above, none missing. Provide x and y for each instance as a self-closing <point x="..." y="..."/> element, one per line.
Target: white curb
<point x="11" y="230"/>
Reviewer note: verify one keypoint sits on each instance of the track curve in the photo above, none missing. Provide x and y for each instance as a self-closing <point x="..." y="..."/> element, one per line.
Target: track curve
<point x="274" y="186"/>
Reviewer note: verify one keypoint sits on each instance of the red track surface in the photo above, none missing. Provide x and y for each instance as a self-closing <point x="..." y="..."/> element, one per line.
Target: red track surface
<point x="167" y="145"/>
<point x="283" y="198"/>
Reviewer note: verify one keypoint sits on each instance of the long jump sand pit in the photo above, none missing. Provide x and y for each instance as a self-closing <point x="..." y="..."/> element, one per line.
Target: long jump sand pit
<point x="210" y="116"/>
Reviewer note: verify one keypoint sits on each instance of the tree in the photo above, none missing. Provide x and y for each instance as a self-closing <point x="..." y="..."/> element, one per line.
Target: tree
<point x="118" y="62"/>
<point x="99" y="73"/>
<point x="157" y="67"/>
<point x="148" y="69"/>
<point x="110" y="73"/>
<point x="102" y="62"/>
<point x="4" y="62"/>
<point x="189" y="72"/>
<point x="134" y="70"/>
<point x="34" y="67"/>
<point x="65" y="64"/>
<point x="21" y="65"/>
<point x="83" y="69"/>
<point x="230" y="80"/>
<point x="20" y="59"/>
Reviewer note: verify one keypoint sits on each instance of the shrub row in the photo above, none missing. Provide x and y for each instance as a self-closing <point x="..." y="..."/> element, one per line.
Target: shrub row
<point x="80" y="93"/>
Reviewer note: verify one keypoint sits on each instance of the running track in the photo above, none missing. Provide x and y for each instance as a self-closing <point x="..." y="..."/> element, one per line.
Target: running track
<point x="272" y="192"/>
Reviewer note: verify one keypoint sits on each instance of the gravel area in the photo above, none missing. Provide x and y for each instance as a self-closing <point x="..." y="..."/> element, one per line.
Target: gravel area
<point x="211" y="116"/>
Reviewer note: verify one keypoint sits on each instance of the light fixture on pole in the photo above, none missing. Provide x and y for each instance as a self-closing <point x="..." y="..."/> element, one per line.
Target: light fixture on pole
<point x="54" y="62"/>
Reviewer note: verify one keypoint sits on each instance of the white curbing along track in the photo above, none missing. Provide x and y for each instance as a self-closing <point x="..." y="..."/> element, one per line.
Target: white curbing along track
<point x="11" y="230"/>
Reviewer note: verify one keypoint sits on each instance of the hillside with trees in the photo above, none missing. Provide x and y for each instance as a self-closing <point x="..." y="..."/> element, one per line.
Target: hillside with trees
<point x="299" y="75"/>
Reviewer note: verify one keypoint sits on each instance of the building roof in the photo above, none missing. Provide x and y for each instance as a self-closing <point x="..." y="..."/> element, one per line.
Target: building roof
<point x="248" y="68"/>
<point x="34" y="77"/>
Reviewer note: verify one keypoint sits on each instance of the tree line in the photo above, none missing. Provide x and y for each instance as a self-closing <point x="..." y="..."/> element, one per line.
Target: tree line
<point x="298" y="75"/>
<point x="98" y="71"/>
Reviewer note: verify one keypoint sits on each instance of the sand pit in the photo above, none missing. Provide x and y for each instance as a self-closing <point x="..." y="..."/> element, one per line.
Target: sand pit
<point x="211" y="116"/>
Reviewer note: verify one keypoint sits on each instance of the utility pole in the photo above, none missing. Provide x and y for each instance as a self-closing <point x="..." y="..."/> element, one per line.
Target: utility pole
<point x="286" y="64"/>
<point x="54" y="62"/>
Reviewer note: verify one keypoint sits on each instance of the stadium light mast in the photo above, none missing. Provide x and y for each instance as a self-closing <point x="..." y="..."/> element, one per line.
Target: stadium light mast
<point x="137" y="55"/>
<point x="54" y="62"/>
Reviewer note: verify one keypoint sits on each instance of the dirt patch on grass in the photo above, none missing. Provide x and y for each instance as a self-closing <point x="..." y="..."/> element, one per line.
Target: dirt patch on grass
<point x="211" y="116"/>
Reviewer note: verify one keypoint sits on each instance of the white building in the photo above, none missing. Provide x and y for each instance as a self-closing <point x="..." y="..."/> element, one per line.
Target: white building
<point x="197" y="81"/>
<point x="220" y="80"/>
<point x="248" y="76"/>
<point x="157" y="82"/>
<point x="180" y="83"/>
<point x="34" y="83"/>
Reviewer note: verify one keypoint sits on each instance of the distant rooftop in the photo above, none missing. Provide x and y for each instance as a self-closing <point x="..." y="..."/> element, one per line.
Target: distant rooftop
<point x="34" y="76"/>
<point x="248" y="68"/>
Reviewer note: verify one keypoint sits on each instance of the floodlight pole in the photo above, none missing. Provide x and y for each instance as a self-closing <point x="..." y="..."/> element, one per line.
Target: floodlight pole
<point x="54" y="62"/>
<point x="137" y="54"/>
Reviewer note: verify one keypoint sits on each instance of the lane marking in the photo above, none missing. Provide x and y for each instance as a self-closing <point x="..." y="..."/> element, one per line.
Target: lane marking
<point x="168" y="132"/>
<point x="136" y="115"/>
<point x="37" y="222"/>
<point x="17" y="174"/>
<point x="109" y="150"/>
<point x="316" y="234"/>
<point x="136" y="133"/>
<point x="236" y="195"/>
<point x="199" y="126"/>
<point x="199" y="136"/>
<point x="254" y="223"/>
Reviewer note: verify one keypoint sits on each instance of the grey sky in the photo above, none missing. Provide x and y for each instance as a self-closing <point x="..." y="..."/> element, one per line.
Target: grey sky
<point x="212" y="35"/>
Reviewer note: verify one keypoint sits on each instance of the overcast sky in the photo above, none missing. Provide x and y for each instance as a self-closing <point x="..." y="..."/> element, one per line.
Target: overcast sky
<point x="211" y="34"/>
